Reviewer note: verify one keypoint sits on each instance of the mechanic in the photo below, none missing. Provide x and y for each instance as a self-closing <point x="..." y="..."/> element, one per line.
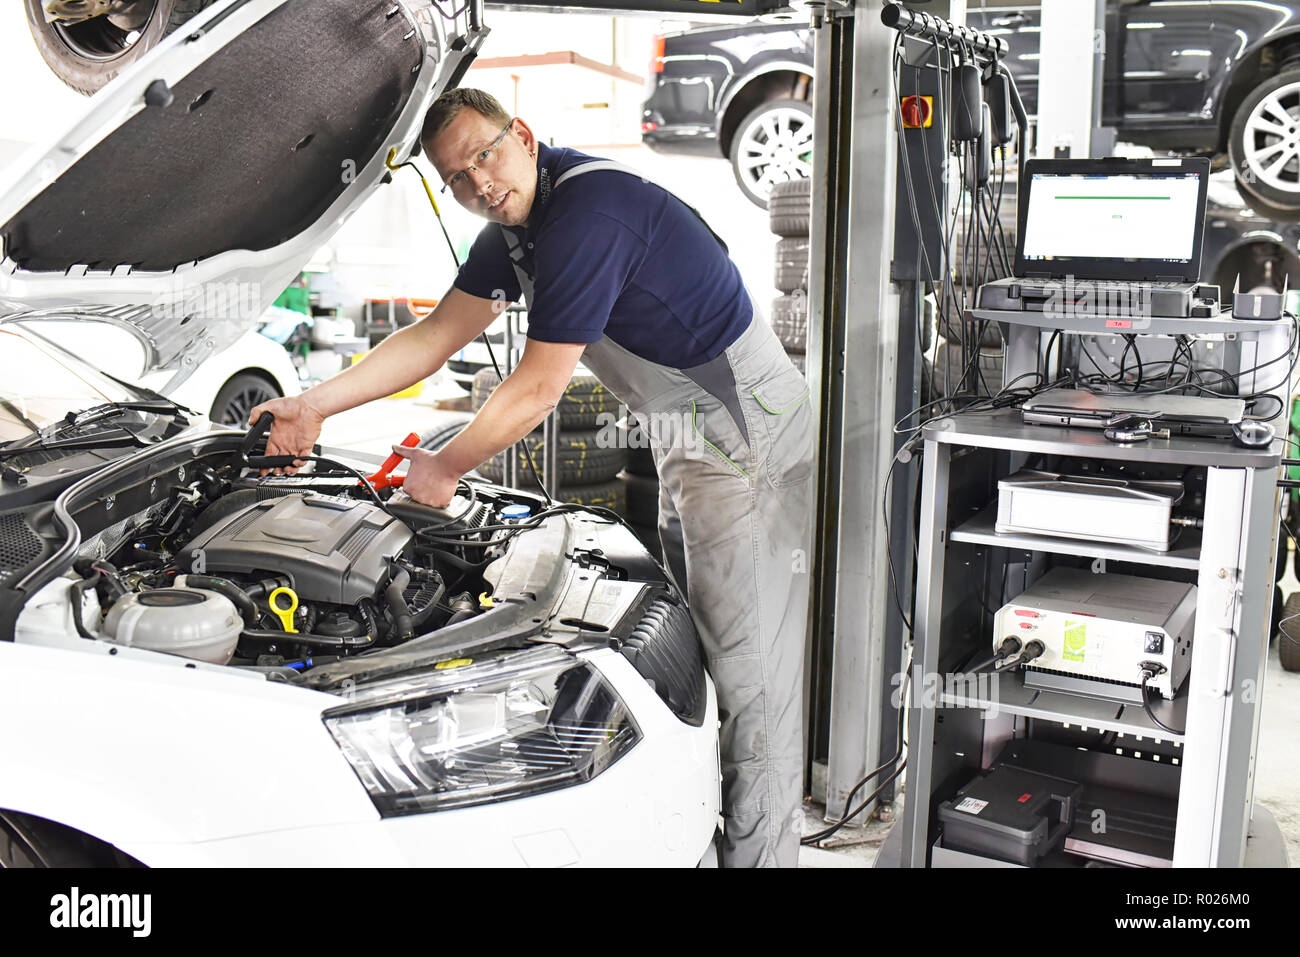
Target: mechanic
<point x="621" y="275"/>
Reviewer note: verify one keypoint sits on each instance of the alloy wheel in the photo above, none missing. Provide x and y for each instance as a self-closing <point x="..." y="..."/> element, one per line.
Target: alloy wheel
<point x="1272" y="140"/>
<point x="774" y="148"/>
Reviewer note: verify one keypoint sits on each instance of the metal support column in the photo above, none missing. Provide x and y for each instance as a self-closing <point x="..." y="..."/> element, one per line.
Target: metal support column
<point x="1069" y="77"/>
<point x="853" y="313"/>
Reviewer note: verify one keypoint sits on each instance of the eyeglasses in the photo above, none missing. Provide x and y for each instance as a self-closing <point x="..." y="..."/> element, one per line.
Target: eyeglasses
<point x="486" y="157"/>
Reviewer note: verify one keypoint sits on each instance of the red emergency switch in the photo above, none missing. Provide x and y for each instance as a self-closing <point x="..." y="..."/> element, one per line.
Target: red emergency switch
<point x="918" y="111"/>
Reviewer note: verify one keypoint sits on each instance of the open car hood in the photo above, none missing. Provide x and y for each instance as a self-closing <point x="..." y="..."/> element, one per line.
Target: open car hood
<point x="193" y="188"/>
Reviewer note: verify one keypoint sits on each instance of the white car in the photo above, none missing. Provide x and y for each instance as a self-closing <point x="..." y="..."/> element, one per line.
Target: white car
<point x="207" y="668"/>
<point x="225" y="388"/>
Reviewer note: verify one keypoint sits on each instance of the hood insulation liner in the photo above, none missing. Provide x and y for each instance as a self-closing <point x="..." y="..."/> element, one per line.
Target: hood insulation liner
<point x="260" y="139"/>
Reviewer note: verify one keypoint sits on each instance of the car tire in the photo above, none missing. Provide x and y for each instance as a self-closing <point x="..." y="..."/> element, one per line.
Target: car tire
<point x="1253" y="148"/>
<point x="1288" y="642"/>
<point x="585" y="404"/>
<point x="27" y="841"/>
<point x="983" y="375"/>
<point x="582" y="461"/>
<point x="461" y="368"/>
<point x="770" y="146"/>
<point x="436" y="438"/>
<point x="237" y="398"/>
<point x="789" y="208"/>
<point x="792" y="264"/>
<point x="984" y="263"/>
<point x="87" y="55"/>
<point x="640" y="457"/>
<point x="790" y="322"/>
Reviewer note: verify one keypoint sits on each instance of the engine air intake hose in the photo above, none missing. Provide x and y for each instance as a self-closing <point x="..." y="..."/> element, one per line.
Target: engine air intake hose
<point x="403" y="625"/>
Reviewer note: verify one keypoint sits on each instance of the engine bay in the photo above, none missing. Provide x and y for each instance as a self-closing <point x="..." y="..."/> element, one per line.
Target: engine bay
<point x="187" y="556"/>
<point x="278" y="572"/>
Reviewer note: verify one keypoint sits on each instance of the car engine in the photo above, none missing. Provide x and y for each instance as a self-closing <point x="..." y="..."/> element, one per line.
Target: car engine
<point x="275" y="575"/>
<point x="332" y="549"/>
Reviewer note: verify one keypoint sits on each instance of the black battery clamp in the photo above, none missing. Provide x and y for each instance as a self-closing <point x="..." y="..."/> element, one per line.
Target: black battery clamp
<point x="257" y="435"/>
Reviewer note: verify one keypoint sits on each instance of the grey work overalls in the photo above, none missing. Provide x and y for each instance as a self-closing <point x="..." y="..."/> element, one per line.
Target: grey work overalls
<point x="732" y="441"/>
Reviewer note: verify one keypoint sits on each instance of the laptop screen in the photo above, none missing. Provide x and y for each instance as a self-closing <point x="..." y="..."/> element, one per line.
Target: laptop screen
<point x="1112" y="219"/>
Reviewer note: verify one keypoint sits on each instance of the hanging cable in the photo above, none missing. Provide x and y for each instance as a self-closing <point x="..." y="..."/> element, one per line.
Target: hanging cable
<point x="451" y="247"/>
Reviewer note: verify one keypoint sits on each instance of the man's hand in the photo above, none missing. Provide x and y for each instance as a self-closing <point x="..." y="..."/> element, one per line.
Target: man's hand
<point x="429" y="479"/>
<point x="295" y="430"/>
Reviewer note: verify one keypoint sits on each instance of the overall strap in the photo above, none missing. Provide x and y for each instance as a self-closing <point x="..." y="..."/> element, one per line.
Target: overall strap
<point x="515" y="247"/>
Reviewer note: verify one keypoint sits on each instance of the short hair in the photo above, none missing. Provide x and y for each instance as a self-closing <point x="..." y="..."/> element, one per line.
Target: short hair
<point x="448" y="106"/>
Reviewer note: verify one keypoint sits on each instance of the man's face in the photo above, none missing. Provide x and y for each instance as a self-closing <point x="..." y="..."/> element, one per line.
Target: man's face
<point x="502" y="186"/>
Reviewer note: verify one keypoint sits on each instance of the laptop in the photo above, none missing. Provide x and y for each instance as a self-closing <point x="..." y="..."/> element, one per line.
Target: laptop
<point x="1099" y="235"/>
<point x="1181" y="414"/>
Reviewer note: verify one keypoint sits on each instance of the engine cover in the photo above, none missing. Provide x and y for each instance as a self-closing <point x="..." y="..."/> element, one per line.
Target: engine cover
<point x="332" y="549"/>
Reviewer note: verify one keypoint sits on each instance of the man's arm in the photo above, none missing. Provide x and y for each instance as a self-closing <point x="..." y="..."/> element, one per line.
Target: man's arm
<point x="402" y="359"/>
<point x="513" y="410"/>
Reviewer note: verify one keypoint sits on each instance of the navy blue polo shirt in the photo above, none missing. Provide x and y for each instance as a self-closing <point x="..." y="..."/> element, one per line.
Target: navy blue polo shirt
<point x="611" y="254"/>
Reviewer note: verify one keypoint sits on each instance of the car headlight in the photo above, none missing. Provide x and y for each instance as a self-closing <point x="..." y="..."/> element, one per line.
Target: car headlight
<point x="481" y="732"/>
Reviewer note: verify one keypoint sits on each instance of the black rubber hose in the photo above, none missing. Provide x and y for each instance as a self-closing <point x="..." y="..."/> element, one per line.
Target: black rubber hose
<point x="247" y="610"/>
<point x="76" y="593"/>
<point x="305" y="638"/>
<point x="403" y="626"/>
<point x="264" y="587"/>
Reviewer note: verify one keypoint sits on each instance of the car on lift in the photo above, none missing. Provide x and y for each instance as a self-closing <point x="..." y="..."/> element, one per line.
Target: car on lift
<point x="208" y="666"/>
<point x="741" y="91"/>
<point x="1217" y="77"/>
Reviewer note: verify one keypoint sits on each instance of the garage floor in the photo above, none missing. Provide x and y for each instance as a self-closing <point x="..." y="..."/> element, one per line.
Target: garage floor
<point x="373" y="428"/>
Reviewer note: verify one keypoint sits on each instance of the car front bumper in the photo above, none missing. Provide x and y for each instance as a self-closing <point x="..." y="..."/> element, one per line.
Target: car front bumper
<point x="657" y="806"/>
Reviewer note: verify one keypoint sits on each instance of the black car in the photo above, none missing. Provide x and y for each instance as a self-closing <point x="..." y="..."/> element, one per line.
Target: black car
<point x="1215" y="76"/>
<point x="743" y="91"/>
<point x="1201" y="77"/>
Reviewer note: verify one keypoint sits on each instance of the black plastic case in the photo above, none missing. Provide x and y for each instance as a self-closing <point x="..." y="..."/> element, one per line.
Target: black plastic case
<point x="1010" y="814"/>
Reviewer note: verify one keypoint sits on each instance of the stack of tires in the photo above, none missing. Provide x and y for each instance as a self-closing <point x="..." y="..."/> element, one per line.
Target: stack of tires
<point x="588" y="461"/>
<point x="789" y="210"/>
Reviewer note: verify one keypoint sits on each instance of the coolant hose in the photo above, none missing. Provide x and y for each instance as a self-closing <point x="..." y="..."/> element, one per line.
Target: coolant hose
<point x="224" y="586"/>
<point x="76" y="593"/>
